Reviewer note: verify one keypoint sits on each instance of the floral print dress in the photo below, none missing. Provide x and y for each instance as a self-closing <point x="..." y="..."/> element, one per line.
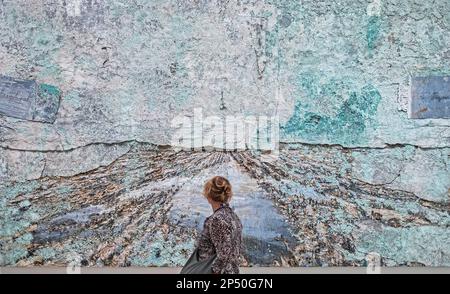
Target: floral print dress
<point x="222" y="235"/>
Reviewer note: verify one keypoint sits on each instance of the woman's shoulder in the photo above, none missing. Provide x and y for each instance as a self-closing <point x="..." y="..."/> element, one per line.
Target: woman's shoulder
<point x="219" y="215"/>
<point x="225" y="215"/>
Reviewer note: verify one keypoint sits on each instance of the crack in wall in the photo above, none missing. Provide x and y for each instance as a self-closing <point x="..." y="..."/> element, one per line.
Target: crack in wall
<point x="283" y="145"/>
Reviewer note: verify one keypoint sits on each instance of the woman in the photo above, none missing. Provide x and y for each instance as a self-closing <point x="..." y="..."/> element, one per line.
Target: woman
<point x="222" y="231"/>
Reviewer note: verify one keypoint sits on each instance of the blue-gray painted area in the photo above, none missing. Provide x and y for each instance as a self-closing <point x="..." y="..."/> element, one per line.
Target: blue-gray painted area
<point x="16" y="97"/>
<point x="430" y="97"/>
<point x="25" y="99"/>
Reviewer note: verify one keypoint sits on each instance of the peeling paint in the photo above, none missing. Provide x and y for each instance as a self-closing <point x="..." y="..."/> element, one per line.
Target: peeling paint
<point x="346" y="127"/>
<point x="354" y="174"/>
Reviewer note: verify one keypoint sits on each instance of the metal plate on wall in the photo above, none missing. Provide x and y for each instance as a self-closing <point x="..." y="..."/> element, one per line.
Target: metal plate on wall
<point x="430" y="97"/>
<point x="25" y="99"/>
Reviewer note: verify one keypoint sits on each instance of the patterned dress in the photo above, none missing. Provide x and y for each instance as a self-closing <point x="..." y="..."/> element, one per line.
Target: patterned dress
<point x="222" y="235"/>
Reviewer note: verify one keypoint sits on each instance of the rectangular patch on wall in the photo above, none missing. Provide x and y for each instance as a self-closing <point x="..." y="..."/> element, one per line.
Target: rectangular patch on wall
<point x="25" y="99"/>
<point x="430" y="97"/>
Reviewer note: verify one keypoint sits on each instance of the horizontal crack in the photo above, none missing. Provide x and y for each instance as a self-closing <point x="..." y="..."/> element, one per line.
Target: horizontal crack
<point x="283" y="145"/>
<point x="386" y="146"/>
<point x="160" y="147"/>
<point x="380" y="184"/>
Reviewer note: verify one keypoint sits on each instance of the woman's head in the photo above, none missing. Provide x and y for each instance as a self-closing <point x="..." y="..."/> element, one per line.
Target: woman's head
<point x="218" y="189"/>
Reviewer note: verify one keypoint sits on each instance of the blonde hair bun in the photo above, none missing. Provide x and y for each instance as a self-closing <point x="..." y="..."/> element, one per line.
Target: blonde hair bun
<point x="218" y="189"/>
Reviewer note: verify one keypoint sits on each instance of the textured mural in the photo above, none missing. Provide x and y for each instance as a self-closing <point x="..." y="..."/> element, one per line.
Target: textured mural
<point x="97" y="97"/>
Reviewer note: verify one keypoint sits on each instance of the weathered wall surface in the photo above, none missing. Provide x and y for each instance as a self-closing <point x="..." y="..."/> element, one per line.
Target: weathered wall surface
<point x="355" y="174"/>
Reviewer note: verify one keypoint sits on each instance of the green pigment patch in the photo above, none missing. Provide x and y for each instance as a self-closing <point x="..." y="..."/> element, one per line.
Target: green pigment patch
<point x="346" y="127"/>
<point x="48" y="90"/>
<point x="373" y="31"/>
